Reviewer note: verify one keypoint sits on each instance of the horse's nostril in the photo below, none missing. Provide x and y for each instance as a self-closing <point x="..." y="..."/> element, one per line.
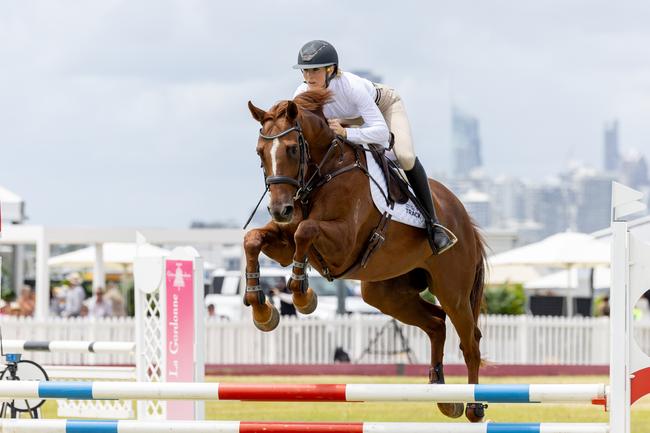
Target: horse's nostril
<point x="288" y="210"/>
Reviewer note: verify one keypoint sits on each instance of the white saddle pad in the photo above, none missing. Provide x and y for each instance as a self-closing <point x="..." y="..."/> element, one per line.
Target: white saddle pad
<point x="405" y="213"/>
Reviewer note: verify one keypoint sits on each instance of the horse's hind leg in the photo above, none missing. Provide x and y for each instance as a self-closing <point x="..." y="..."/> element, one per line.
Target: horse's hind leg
<point x="399" y="298"/>
<point x="436" y="371"/>
<point x="463" y="320"/>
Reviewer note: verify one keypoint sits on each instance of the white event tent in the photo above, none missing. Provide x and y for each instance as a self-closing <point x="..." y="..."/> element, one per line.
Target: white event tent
<point x="566" y="250"/>
<point x="114" y="254"/>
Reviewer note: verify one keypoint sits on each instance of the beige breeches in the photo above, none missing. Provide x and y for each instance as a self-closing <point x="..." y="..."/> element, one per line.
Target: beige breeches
<point x="391" y="106"/>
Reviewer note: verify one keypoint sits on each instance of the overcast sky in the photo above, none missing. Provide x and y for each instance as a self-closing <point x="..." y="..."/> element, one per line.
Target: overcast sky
<point x="133" y="113"/>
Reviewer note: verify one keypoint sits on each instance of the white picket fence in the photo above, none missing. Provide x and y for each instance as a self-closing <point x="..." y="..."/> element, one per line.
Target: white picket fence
<point x="507" y="339"/>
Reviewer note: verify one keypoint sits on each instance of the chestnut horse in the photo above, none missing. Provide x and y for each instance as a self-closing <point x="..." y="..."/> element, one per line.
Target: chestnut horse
<point x="322" y="212"/>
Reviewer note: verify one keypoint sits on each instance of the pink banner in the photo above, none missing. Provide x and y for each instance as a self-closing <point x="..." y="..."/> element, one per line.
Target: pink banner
<point x="179" y="280"/>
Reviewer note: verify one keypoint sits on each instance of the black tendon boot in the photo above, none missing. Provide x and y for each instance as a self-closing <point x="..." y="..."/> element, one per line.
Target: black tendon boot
<point x="439" y="236"/>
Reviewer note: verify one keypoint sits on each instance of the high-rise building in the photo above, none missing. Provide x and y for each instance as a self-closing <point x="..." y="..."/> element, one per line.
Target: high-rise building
<point x="479" y="207"/>
<point x="466" y="143"/>
<point x="634" y="170"/>
<point x="593" y="198"/>
<point x="549" y="206"/>
<point x="612" y="155"/>
<point x="509" y="201"/>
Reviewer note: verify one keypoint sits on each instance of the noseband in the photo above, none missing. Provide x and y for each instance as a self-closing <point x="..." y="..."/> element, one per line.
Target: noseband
<point x="304" y="158"/>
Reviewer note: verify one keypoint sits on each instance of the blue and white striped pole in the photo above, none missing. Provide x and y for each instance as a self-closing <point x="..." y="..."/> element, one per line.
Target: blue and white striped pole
<point x="73" y="426"/>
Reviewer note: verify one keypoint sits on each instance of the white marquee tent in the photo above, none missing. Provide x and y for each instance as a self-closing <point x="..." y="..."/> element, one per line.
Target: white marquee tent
<point x="568" y="250"/>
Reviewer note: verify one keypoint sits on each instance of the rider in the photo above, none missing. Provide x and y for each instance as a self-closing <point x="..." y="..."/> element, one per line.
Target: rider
<point x="380" y="108"/>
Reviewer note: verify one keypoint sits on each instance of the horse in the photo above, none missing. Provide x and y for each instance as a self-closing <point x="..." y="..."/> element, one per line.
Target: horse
<point x="322" y="213"/>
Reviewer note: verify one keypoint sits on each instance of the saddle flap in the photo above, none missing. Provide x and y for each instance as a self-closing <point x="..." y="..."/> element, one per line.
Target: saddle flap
<point x="397" y="187"/>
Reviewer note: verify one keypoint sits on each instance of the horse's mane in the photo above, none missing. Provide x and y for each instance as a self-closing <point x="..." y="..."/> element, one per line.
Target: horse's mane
<point x="311" y="100"/>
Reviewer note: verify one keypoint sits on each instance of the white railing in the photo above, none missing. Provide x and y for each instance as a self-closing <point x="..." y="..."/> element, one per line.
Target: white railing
<point x="506" y="340"/>
<point x="56" y="328"/>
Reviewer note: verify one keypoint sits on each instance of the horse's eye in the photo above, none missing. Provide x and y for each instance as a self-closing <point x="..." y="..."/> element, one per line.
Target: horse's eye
<point x="292" y="151"/>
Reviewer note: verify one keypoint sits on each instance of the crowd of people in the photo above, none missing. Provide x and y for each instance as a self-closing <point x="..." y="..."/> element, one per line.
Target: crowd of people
<point x="70" y="300"/>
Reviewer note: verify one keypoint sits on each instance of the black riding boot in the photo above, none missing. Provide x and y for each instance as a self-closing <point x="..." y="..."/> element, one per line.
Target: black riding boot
<point x="438" y="235"/>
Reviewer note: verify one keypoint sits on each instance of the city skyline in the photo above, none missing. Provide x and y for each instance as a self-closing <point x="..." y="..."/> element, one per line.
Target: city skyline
<point x="577" y="199"/>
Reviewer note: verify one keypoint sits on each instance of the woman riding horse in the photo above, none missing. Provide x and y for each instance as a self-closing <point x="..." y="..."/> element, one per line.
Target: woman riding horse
<point x="323" y="214"/>
<point x="381" y="108"/>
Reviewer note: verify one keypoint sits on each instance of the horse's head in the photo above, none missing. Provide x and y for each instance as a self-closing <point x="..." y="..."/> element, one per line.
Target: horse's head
<point x="290" y="131"/>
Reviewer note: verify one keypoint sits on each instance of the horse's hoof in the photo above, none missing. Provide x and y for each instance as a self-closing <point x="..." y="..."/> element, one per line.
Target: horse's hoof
<point x="452" y="410"/>
<point x="475" y="412"/>
<point x="269" y="319"/>
<point x="306" y="303"/>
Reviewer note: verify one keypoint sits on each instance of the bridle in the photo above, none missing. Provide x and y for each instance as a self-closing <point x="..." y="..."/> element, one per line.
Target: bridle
<point x="304" y="159"/>
<point x="274" y="180"/>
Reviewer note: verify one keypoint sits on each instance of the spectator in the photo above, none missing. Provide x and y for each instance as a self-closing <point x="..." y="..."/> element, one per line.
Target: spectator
<point x="98" y="306"/>
<point x="26" y="301"/>
<point x="211" y="311"/>
<point x="114" y="296"/>
<point x="57" y="300"/>
<point x="74" y="296"/>
<point x="4" y="307"/>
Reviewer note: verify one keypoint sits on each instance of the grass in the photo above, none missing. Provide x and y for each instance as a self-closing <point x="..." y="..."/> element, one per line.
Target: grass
<point x="406" y="411"/>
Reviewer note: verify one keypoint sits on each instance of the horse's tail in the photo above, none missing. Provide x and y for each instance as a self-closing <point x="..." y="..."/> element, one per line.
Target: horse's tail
<point x="476" y="295"/>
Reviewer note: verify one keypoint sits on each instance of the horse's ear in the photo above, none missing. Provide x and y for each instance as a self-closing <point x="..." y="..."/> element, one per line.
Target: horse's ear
<point x="258" y="113"/>
<point x="292" y="111"/>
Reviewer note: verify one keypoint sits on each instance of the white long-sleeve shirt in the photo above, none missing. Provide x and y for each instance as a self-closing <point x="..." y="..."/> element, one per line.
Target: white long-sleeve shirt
<point x="74" y="297"/>
<point x="352" y="97"/>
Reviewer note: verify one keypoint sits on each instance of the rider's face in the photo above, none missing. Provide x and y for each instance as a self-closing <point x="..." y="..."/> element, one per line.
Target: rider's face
<point x="315" y="78"/>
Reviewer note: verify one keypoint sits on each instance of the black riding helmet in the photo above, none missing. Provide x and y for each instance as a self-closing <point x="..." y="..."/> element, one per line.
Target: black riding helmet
<point x="318" y="54"/>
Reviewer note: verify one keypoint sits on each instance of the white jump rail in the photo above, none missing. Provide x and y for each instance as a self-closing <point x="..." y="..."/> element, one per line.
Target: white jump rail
<point x="515" y="393"/>
<point x="61" y="346"/>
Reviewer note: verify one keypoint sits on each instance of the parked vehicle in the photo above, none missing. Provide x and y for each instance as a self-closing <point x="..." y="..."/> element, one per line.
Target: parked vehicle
<point x="226" y="293"/>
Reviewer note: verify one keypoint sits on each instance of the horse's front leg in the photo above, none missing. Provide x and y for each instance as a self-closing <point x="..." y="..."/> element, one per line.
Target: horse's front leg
<point x="304" y="298"/>
<point x="265" y="315"/>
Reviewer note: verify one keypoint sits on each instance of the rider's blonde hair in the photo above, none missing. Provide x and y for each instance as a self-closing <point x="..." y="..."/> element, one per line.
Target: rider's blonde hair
<point x="339" y="72"/>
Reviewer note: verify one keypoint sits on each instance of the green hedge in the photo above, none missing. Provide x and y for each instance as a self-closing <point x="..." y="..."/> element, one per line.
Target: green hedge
<point x="507" y="299"/>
